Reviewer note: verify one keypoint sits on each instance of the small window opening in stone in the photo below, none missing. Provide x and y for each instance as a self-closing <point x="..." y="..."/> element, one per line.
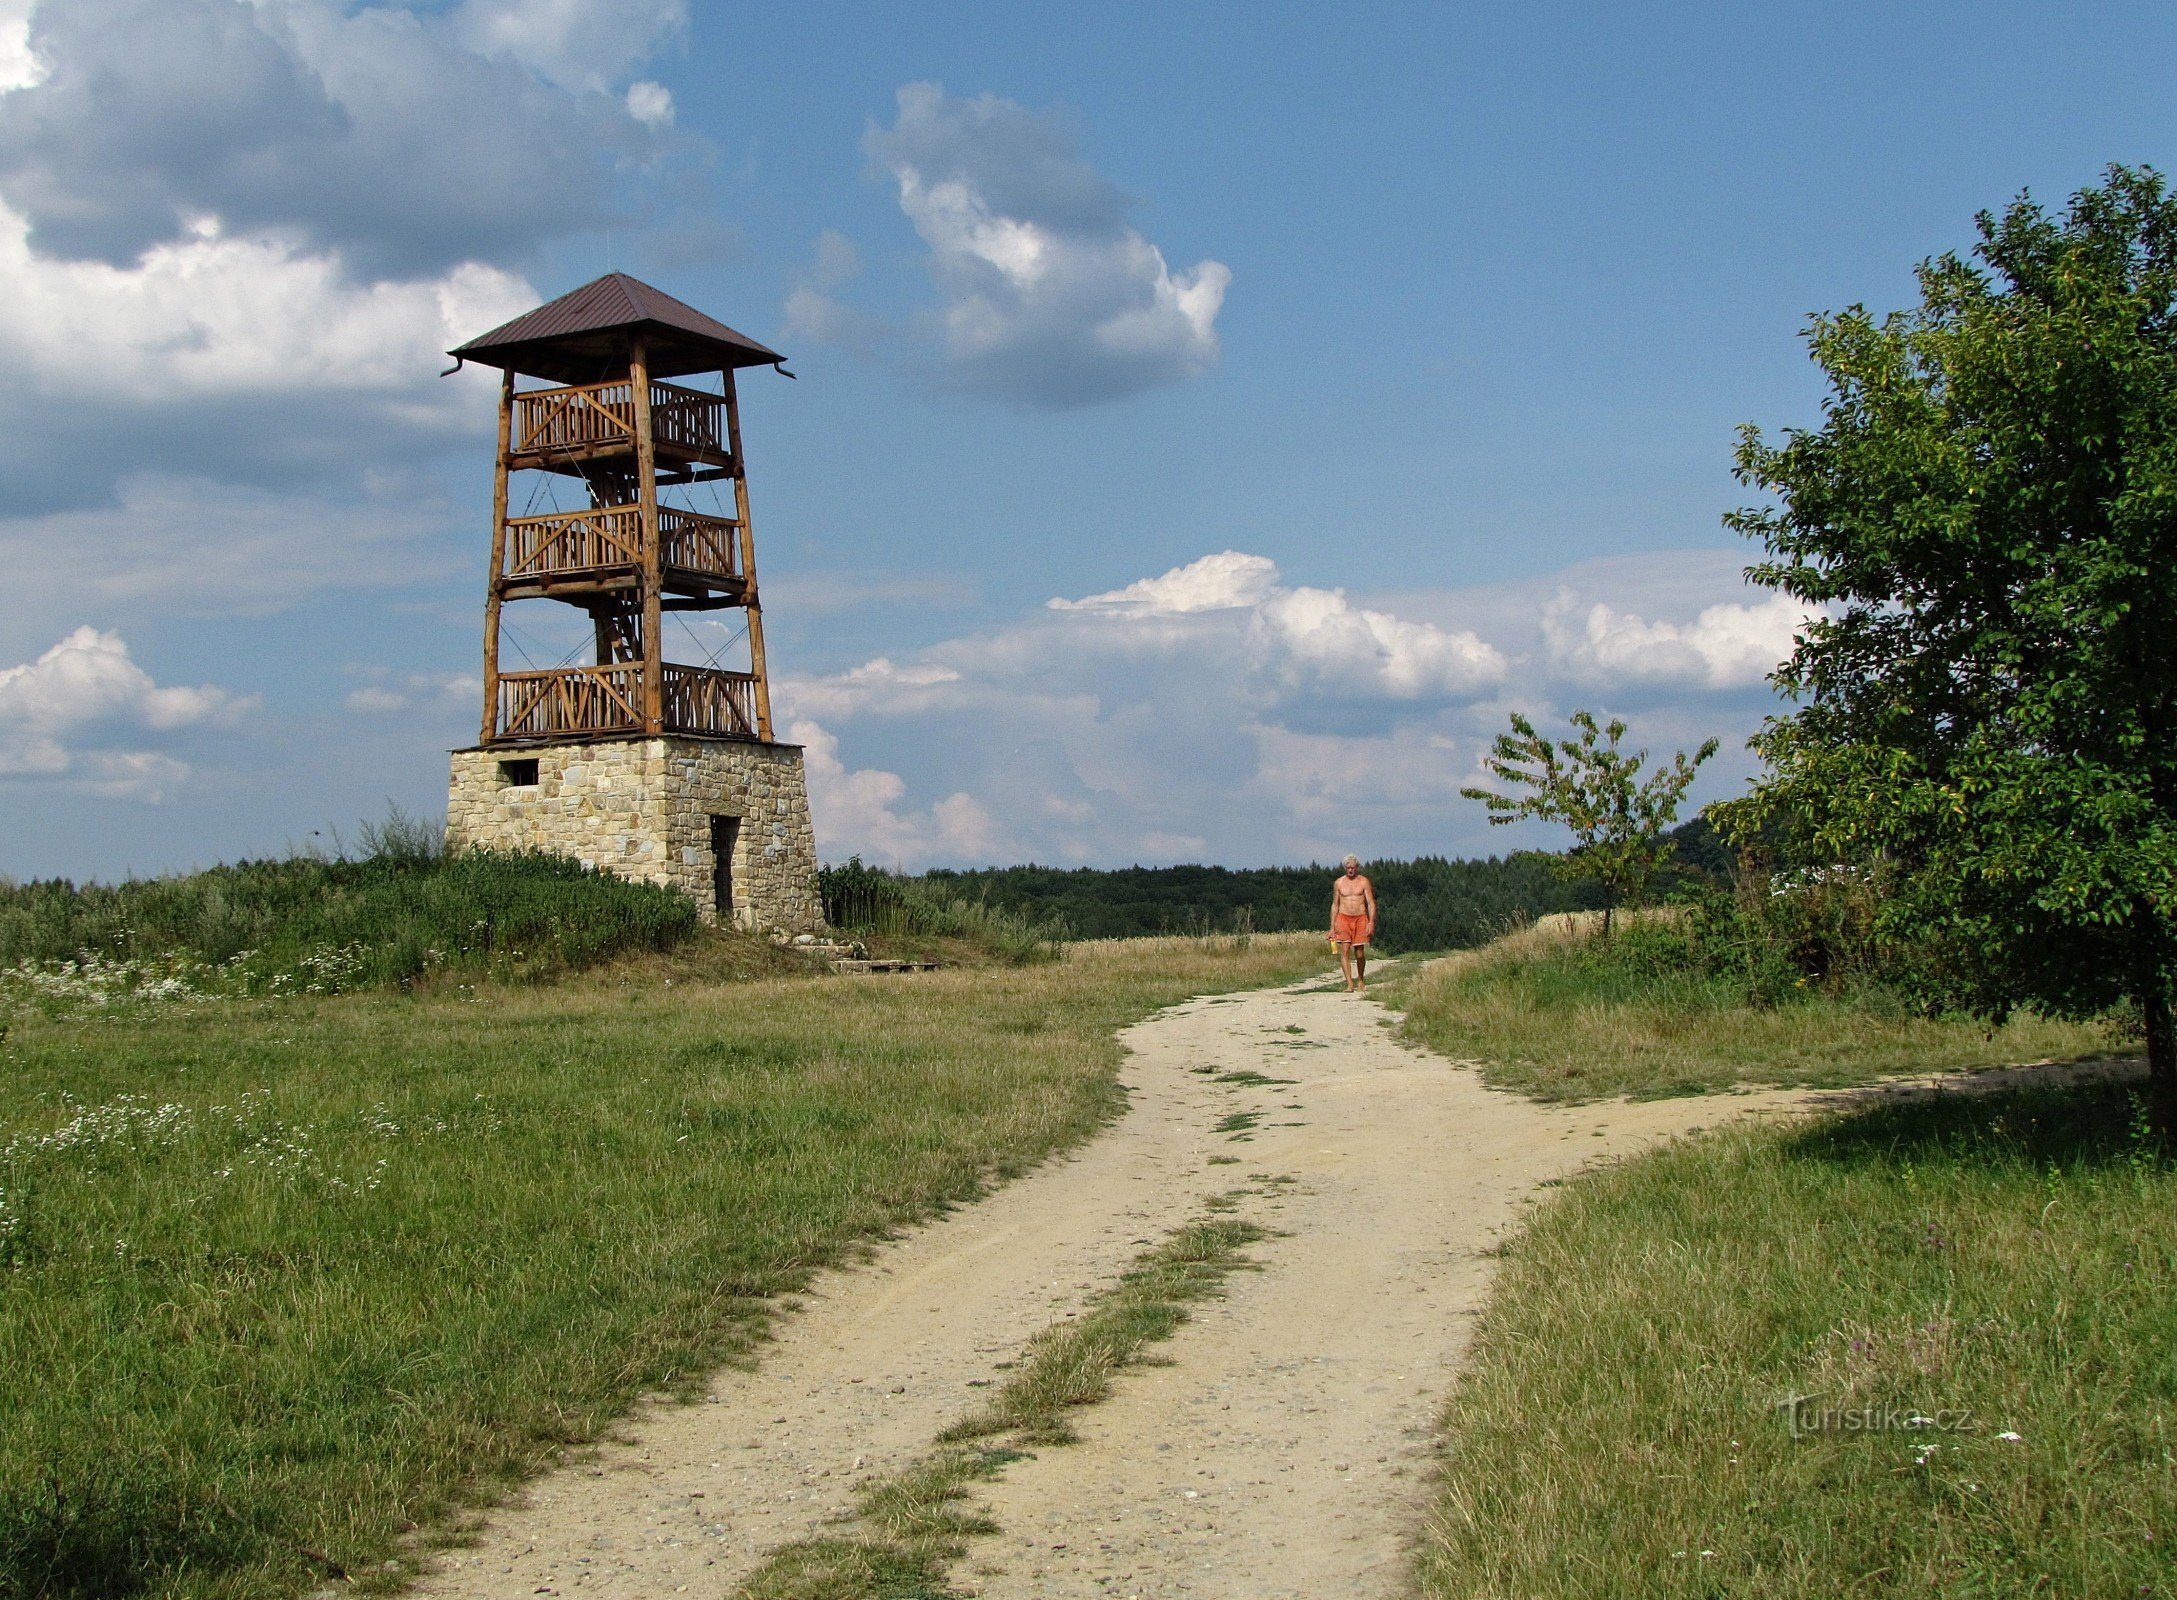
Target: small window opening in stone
<point x="516" y="774"/>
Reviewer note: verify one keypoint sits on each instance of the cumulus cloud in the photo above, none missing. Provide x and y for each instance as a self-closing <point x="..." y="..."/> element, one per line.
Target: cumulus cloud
<point x="577" y="44"/>
<point x="1728" y="645"/>
<point x="348" y="129"/>
<point x="1215" y="710"/>
<point x="53" y="709"/>
<point x="242" y="340"/>
<point x="857" y="812"/>
<point x="650" y="104"/>
<point x="20" y="67"/>
<point x="1052" y="298"/>
<point x="1220" y="582"/>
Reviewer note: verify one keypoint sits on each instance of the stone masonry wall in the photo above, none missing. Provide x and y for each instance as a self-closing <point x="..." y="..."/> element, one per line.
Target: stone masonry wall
<point x="642" y="808"/>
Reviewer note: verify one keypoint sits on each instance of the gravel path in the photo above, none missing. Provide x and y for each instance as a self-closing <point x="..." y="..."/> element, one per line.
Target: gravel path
<point x="1284" y="1449"/>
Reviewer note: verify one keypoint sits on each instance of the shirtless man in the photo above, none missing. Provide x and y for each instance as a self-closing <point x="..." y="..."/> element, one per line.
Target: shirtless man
<point x="1352" y="920"/>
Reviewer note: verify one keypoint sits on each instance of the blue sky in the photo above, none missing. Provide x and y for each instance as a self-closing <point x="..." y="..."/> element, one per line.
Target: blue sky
<point x="1352" y="378"/>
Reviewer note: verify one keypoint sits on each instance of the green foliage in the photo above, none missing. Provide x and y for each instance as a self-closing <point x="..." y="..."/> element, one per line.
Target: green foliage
<point x="1775" y="936"/>
<point x="1425" y="904"/>
<point x="1592" y="787"/>
<point x="2003" y="1262"/>
<point x="865" y="899"/>
<point x="308" y="924"/>
<point x="1987" y="718"/>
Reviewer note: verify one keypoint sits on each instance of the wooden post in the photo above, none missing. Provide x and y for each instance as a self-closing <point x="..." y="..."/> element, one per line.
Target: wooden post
<point x="646" y="500"/>
<point x="498" y="558"/>
<point x="748" y="562"/>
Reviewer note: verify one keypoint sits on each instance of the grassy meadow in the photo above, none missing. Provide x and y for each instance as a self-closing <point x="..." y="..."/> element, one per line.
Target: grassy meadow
<point x="290" y="1278"/>
<point x="1918" y="1345"/>
<point x="1552" y="1012"/>
<point x="1974" y="1297"/>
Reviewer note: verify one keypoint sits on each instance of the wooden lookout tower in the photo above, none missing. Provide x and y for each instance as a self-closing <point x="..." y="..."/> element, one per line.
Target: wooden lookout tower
<point x="636" y="760"/>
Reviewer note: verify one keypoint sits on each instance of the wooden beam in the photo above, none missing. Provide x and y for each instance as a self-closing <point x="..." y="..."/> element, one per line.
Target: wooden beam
<point x="498" y="556"/>
<point x="646" y="498"/>
<point x="748" y="562"/>
<point x="716" y="475"/>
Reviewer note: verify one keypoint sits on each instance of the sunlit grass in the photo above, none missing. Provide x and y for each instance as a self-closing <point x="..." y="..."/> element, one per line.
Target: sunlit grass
<point x="352" y="1264"/>
<point x="2002" y="1267"/>
<point x="1552" y="1012"/>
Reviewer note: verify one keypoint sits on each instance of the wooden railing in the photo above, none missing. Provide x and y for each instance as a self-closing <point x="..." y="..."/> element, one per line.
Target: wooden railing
<point x="578" y="702"/>
<point x="708" y="700"/>
<point x="599" y="419"/>
<point x="573" y="541"/>
<point x="611" y="536"/>
<point x="570" y="701"/>
<point x="693" y="542"/>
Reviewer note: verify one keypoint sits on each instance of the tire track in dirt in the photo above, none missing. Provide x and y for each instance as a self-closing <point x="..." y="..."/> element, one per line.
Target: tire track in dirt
<point x="1284" y="1448"/>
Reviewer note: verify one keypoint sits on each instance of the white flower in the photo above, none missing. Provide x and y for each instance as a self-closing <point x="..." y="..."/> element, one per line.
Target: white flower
<point x="2009" y="1437"/>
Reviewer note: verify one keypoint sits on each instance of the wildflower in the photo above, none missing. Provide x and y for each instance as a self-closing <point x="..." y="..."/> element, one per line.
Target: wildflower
<point x="2008" y="1437"/>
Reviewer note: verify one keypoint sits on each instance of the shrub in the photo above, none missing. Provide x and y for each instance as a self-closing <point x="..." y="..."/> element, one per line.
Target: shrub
<point x="315" y="925"/>
<point x="863" y="899"/>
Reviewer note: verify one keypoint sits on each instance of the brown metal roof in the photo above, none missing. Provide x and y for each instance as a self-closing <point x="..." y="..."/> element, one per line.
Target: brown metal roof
<point x="584" y="336"/>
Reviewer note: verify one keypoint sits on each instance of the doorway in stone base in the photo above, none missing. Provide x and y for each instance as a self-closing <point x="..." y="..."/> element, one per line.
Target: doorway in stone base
<point x="725" y="834"/>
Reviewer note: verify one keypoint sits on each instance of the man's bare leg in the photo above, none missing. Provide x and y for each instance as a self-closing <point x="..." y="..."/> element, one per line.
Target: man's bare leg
<point x="1360" y="968"/>
<point x="1345" y="963"/>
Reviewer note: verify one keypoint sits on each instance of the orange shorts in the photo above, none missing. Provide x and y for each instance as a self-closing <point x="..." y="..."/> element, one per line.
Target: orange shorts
<point x="1350" y="930"/>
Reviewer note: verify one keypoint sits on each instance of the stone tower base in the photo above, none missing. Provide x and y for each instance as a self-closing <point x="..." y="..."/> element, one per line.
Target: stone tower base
<point x="656" y="810"/>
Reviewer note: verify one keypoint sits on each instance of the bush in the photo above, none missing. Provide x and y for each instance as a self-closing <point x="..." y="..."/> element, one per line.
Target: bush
<point x="865" y="899"/>
<point x="316" y="925"/>
<point x="1782" y="934"/>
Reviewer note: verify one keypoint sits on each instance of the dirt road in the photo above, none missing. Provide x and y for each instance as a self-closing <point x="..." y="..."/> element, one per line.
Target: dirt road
<point x="1284" y="1449"/>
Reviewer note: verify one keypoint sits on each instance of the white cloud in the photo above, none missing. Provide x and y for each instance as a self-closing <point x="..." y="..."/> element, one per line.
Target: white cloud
<point x="344" y="127"/>
<point x="577" y="44"/>
<point x="1216" y="711"/>
<point x="86" y="682"/>
<point x="1317" y="638"/>
<point x="1727" y="645"/>
<point x="20" y="67"/>
<point x="855" y="812"/>
<point x="1052" y="299"/>
<point x="650" y="104"/>
<point x="1214" y="583"/>
<point x="912" y="687"/>
<point x="219" y="316"/>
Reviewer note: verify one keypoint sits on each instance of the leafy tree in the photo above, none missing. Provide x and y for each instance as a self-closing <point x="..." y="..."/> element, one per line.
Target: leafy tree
<point x="1986" y="523"/>
<point x="1596" y="790"/>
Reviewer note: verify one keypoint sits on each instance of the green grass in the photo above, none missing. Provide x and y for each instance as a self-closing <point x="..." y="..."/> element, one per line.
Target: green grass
<point x="323" y="926"/>
<point x="290" y="1278"/>
<point x="909" y="1527"/>
<point x="2004" y="1261"/>
<point x="1553" y="1013"/>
